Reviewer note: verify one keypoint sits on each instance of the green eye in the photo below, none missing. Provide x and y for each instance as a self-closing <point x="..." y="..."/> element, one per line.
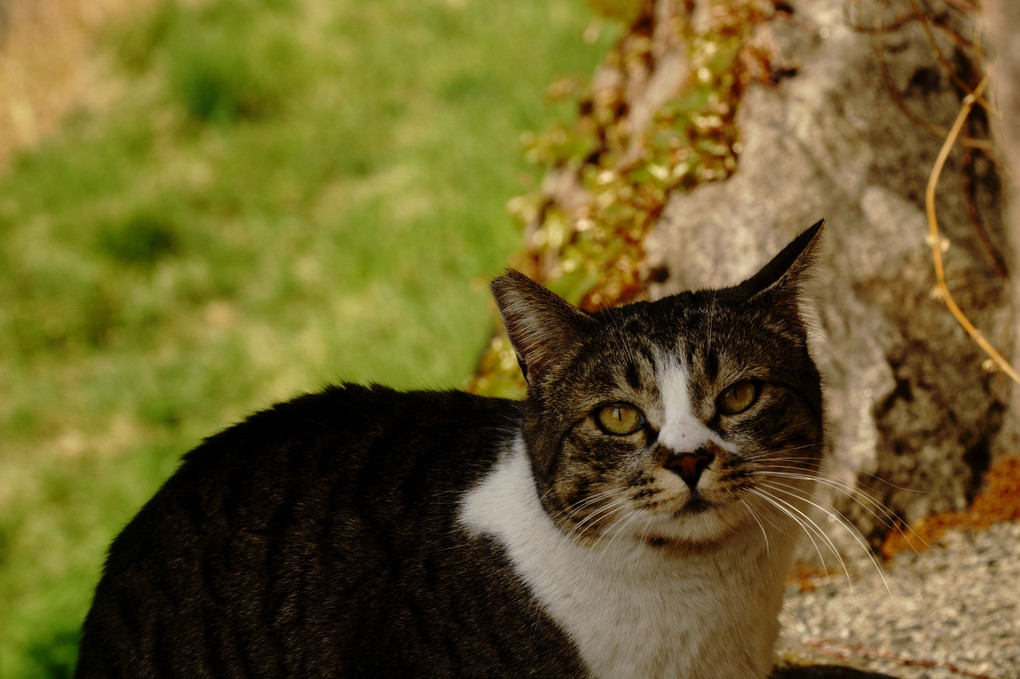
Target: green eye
<point x="619" y="419"/>
<point x="738" y="397"/>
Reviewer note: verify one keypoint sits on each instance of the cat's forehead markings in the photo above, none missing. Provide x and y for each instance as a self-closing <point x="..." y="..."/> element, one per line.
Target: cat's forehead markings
<point x="633" y="375"/>
<point x="646" y="354"/>
<point x="682" y="430"/>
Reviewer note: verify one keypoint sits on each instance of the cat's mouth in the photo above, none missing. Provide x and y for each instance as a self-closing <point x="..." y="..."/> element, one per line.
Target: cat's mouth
<point x="696" y="504"/>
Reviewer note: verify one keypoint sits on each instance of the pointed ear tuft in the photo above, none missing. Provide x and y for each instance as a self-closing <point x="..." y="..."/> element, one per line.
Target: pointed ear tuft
<point x="789" y="269"/>
<point x="540" y="325"/>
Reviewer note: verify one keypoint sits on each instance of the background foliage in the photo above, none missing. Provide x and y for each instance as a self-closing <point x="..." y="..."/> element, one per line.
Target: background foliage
<point x="279" y="194"/>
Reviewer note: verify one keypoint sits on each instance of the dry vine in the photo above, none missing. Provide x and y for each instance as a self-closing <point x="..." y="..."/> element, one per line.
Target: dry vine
<point x="878" y="27"/>
<point x="938" y="244"/>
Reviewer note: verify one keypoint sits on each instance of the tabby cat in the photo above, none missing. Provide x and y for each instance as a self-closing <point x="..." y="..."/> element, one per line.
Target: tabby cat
<point x="633" y="517"/>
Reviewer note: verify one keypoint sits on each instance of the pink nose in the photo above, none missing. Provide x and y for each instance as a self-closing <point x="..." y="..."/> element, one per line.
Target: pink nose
<point x="689" y="466"/>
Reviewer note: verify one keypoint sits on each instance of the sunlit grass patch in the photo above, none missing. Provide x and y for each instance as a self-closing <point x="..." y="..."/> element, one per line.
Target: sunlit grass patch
<point x="285" y="194"/>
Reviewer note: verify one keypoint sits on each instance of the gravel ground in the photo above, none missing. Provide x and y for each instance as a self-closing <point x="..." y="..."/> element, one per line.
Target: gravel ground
<point x="951" y="611"/>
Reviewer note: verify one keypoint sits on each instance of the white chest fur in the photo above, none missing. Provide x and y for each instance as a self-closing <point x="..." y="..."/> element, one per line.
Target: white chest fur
<point x="636" y="611"/>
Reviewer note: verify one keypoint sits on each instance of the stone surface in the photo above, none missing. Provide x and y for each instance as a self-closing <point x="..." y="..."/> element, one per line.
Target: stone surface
<point x="1002" y="26"/>
<point x="950" y="611"/>
<point x="913" y="413"/>
<point x="826" y="672"/>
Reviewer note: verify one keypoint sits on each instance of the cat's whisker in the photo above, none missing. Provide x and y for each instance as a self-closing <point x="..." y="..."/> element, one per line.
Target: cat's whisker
<point x="611" y="531"/>
<point x="645" y="535"/>
<point x="789" y="514"/>
<point x="770" y="459"/>
<point x="764" y="533"/>
<point x="782" y="453"/>
<point x="886" y="518"/>
<point x="607" y="510"/>
<point x="807" y="528"/>
<point x="838" y="518"/>
<point x="876" y="477"/>
<point x="611" y="494"/>
<point x="806" y="522"/>
<point x="876" y="509"/>
<point x="751" y="507"/>
<point x="604" y="514"/>
<point x="580" y="528"/>
<point x="832" y="513"/>
<point x="572" y="510"/>
<point x="616" y="512"/>
<point x="614" y="534"/>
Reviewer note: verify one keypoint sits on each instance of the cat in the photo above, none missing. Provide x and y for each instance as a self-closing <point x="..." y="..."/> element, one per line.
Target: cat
<point x="633" y="517"/>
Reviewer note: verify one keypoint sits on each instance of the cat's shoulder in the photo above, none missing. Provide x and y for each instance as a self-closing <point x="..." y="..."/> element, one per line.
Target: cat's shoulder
<point x="346" y="440"/>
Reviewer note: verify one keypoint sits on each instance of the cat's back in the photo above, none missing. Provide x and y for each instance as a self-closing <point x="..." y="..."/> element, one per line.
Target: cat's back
<point x="375" y="456"/>
<point x="316" y="538"/>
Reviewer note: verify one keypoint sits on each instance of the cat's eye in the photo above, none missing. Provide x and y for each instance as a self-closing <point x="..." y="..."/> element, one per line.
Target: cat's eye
<point x="738" y="397"/>
<point x="619" y="419"/>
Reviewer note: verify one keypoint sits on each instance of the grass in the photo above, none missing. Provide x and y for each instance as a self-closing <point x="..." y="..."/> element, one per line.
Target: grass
<point x="282" y="194"/>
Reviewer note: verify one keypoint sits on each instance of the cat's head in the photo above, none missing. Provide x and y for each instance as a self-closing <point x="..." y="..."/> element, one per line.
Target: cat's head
<point x="676" y="421"/>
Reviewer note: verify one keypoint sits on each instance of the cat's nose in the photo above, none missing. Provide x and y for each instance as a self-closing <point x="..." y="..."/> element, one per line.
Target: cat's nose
<point x="689" y="466"/>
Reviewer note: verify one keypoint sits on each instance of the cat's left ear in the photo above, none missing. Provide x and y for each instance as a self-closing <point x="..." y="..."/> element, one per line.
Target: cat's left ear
<point x="783" y="278"/>
<point x="541" y="326"/>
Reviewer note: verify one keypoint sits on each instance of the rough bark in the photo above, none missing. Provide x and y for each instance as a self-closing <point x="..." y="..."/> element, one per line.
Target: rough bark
<point x="1002" y="26"/>
<point x="849" y="133"/>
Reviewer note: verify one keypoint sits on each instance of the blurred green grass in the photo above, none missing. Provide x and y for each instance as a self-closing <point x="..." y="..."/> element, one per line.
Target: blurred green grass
<point x="283" y="194"/>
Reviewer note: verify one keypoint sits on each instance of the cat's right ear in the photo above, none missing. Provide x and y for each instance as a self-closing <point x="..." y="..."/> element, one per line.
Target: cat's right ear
<point x="789" y="269"/>
<point x="541" y="326"/>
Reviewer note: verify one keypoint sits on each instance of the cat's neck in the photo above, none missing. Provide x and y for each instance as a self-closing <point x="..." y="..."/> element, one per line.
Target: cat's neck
<point x="632" y="608"/>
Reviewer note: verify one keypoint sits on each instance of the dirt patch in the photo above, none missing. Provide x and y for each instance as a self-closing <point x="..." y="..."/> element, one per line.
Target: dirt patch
<point x="999" y="501"/>
<point x="46" y="63"/>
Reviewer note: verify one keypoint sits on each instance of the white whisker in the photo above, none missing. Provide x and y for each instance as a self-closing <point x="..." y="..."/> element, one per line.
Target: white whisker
<point x="808" y="528"/>
<point x="883" y="515"/>
<point x="764" y="533"/>
<point x="805" y="523"/>
<point x="628" y="517"/>
<point x="602" y="512"/>
<point x="840" y="519"/>
<point x="576" y="508"/>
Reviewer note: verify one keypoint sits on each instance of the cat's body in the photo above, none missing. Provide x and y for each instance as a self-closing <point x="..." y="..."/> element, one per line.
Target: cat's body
<point x="295" y="545"/>
<point x="634" y="517"/>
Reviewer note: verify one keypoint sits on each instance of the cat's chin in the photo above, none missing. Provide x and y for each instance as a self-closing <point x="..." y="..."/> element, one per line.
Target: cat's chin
<point x="698" y="522"/>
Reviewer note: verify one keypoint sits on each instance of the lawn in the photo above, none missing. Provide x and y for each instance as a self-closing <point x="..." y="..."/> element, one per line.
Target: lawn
<point x="276" y="195"/>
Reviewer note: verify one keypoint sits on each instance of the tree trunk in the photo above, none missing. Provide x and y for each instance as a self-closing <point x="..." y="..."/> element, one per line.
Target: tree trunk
<point x="1002" y="25"/>
<point x="841" y="110"/>
<point x="849" y="131"/>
